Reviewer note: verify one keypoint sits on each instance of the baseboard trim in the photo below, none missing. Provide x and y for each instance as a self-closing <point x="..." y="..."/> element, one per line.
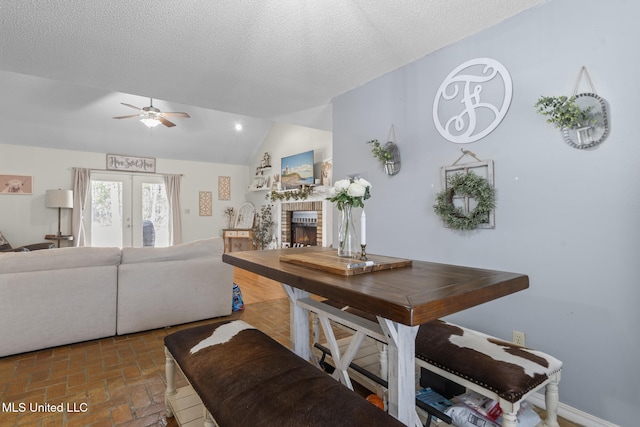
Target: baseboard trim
<point x="571" y="414"/>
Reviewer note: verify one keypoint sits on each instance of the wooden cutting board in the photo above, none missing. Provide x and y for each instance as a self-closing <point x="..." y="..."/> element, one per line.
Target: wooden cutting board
<point x="332" y="263"/>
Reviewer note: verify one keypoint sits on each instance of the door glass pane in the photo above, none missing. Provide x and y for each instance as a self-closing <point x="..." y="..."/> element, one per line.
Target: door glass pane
<point x="106" y="213"/>
<point x="155" y="215"/>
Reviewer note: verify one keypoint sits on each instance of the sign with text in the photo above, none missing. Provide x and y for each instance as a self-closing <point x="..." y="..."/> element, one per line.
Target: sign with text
<point x="117" y="162"/>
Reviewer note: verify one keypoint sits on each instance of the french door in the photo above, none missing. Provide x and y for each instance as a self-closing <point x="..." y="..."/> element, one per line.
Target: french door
<point x="127" y="210"/>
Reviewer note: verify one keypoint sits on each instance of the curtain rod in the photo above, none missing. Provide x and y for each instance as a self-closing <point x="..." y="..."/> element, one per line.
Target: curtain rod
<point x="131" y="173"/>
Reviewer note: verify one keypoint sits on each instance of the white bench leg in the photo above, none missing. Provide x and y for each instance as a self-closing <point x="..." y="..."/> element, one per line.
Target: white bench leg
<point x="551" y="397"/>
<point x="384" y="364"/>
<point x="509" y="419"/>
<point x="170" y="372"/>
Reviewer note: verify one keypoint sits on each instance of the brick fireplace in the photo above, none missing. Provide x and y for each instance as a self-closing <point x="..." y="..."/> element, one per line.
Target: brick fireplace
<point x="318" y="207"/>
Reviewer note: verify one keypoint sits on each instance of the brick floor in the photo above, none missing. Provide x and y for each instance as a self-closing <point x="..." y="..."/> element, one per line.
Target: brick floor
<point x="115" y="381"/>
<point x="118" y="380"/>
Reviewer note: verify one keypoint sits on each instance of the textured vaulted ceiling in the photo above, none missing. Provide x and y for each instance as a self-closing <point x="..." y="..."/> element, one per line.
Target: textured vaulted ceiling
<point x="65" y="66"/>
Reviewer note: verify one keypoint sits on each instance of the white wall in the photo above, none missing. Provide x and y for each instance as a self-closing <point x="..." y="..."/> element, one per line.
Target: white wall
<point x="285" y="140"/>
<point x="565" y="217"/>
<point x="24" y="219"/>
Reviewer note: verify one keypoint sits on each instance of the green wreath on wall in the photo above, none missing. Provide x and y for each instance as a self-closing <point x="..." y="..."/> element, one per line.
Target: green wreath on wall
<point x="474" y="186"/>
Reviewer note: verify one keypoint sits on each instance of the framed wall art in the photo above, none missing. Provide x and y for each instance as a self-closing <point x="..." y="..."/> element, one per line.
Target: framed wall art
<point x="16" y="184"/>
<point x="224" y="188"/>
<point x="205" y="199"/>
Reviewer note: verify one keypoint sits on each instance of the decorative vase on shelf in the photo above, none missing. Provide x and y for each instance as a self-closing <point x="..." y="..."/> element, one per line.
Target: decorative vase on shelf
<point x="347" y="236"/>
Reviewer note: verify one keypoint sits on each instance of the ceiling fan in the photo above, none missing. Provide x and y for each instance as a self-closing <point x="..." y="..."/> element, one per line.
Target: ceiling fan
<point x="152" y="117"/>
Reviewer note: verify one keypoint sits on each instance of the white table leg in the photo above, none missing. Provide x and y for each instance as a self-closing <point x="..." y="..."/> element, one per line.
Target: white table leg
<point x="299" y="321"/>
<point x="402" y="389"/>
<point x="342" y="361"/>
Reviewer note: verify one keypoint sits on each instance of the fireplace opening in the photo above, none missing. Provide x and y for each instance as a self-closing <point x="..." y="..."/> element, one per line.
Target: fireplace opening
<point x="304" y="228"/>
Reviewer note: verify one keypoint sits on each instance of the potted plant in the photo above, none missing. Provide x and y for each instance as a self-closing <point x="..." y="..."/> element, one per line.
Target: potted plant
<point x="263" y="228"/>
<point x="563" y="112"/>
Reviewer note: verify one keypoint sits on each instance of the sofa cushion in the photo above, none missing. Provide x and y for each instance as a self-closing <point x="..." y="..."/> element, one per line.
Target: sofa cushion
<point x="58" y="259"/>
<point x="197" y="249"/>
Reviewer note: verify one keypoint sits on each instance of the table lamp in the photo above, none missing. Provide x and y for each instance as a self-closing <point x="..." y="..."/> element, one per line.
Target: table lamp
<point x="59" y="199"/>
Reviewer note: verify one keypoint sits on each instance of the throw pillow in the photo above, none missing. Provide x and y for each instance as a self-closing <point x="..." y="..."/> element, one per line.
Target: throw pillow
<point x="4" y="243"/>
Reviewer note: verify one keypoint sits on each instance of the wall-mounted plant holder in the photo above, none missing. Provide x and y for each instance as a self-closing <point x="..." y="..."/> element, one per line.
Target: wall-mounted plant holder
<point x="594" y="131"/>
<point x="388" y="154"/>
<point x="582" y="118"/>
<point x="392" y="166"/>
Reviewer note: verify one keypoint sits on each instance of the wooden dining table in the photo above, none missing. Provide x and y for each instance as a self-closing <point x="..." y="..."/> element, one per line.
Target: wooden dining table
<point x="400" y="298"/>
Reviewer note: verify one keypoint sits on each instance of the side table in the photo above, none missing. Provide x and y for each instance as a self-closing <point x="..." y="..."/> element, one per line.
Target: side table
<point x="58" y="239"/>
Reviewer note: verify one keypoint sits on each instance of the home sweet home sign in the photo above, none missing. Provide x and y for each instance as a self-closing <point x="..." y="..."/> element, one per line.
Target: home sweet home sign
<point x="118" y="162"/>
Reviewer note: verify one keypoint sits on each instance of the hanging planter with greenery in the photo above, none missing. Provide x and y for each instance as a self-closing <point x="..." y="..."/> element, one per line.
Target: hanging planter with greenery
<point x="473" y="186"/>
<point x="388" y="155"/>
<point x="563" y="112"/>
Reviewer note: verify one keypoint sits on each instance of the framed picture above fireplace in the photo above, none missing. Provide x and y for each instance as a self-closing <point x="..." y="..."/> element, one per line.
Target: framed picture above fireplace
<point x="297" y="170"/>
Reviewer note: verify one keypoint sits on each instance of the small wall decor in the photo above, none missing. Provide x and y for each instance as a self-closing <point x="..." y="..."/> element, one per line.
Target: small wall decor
<point x="205" y="199"/>
<point x="468" y="199"/>
<point x="266" y="160"/>
<point x="388" y="154"/>
<point x="117" y="162"/>
<point x="16" y="184"/>
<point x="472" y="100"/>
<point x="245" y="216"/>
<point x="327" y="172"/>
<point x="260" y="183"/>
<point x="582" y="117"/>
<point x="224" y="188"/>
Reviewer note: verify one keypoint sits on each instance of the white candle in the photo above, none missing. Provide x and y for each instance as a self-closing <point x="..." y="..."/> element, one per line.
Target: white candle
<point x="363" y="228"/>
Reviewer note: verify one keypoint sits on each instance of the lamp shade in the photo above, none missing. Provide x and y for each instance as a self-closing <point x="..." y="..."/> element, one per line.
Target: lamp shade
<point x="59" y="199"/>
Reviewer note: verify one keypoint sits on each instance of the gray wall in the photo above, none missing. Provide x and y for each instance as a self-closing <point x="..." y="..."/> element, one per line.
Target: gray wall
<point x="568" y="218"/>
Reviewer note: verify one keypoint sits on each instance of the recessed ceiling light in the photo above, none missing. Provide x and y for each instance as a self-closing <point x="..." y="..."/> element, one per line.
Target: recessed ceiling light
<point x="238" y="126"/>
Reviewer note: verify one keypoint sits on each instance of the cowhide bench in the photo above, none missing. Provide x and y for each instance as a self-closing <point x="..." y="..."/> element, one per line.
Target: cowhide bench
<point x="497" y="369"/>
<point x="500" y="370"/>
<point x="245" y="378"/>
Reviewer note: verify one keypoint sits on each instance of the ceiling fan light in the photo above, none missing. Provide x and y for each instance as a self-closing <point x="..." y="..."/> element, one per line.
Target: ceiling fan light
<point x="150" y="120"/>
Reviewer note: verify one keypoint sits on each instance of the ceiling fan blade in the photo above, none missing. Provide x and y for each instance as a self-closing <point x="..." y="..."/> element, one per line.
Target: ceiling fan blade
<point x="127" y="117"/>
<point x="166" y="122"/>
<point x="132" y="106"/>
<point x="176" y="114"/>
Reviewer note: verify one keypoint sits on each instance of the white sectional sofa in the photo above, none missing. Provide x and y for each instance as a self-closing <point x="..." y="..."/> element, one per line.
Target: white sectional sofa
<point x="62" y="296"/>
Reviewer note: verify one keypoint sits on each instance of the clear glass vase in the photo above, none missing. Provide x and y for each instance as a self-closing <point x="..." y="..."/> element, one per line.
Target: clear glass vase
<point x="347" y="236"/>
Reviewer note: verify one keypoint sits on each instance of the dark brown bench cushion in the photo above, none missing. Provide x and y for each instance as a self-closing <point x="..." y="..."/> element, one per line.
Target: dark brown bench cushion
<point x="500" y="366"/>
<point x="251" y="380"/>
<point x="506" y="369"/>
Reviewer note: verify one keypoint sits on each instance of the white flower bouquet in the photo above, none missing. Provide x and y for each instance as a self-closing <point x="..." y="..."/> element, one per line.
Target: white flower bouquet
<point x="352" y="192"/>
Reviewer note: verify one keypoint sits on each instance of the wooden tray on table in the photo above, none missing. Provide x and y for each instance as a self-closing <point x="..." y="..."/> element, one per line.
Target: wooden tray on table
<point x="332" y="263"/>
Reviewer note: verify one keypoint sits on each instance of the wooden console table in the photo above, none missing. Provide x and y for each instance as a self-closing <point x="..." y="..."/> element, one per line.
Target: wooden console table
<point x="237" y="240"/>
<point x="402" y="299"/>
